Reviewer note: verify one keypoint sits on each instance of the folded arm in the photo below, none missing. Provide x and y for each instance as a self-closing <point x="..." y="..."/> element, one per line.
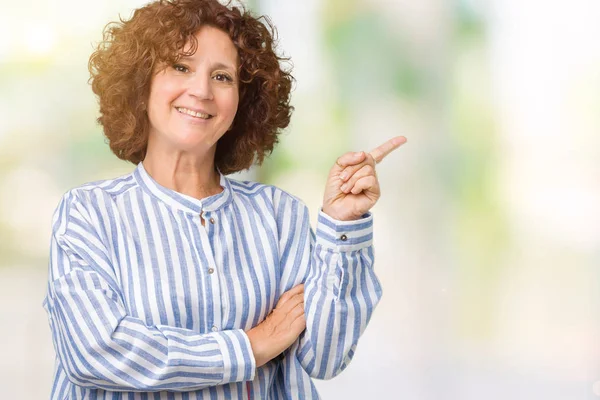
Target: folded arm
<point x="101" y="346"/>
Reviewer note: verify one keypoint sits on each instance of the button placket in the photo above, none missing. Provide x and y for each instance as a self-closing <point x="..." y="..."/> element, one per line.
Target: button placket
<point x="210" y="219"/>
<point x="211" y="279"/>
<point x="205" y="219"/>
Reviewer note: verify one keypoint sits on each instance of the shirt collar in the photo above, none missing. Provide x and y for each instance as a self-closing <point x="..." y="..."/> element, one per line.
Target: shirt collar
<point x="179" y="200"/>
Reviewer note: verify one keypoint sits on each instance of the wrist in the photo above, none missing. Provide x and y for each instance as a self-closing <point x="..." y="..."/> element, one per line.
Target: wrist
<point x="258" y="348"/>
<point x="340" y="216"/>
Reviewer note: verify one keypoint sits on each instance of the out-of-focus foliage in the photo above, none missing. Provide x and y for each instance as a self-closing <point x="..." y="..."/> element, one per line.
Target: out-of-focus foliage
<point x="487" y="231"/>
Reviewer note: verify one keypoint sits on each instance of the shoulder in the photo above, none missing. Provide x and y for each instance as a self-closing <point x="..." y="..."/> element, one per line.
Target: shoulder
<point x="80" y="201"/>
<point x="285" y="208"/>
<point x="256" y="190"/>
<point x="106" y="187"/>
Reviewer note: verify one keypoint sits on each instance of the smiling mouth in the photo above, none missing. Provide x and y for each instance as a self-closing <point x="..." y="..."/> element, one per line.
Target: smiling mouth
<point x="192" y="113"/>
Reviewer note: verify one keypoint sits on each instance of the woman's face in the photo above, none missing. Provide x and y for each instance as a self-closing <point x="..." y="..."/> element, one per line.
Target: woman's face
<point x="193" y="102"/>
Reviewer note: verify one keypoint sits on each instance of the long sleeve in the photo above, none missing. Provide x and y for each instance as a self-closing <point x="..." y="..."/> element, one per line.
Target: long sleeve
<point x="341" y="289"/>
<point x="101" y="346"/>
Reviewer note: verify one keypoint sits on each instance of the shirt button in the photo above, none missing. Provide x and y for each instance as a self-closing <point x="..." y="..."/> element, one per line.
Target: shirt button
<point x="212" y="220"/>
<point x="214" y="329"/>
<point x="211" y="270"/>
<point x="343" y="238"/>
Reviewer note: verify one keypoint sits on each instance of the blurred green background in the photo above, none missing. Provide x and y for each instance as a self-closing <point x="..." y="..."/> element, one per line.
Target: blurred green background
<point x="488" y="231"/>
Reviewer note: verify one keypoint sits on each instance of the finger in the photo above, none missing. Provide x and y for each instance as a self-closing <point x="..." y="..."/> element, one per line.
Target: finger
<point x="367" y="183"/>
<point x="351" y="169"/>
<point x="291" y="303"/>
<point x="298" y="325"/>
<point x="349" y="158"/>
<point x="380" y="152"/>
<point x="287" y="295"/>
<point x="366" y="170"/>
<point x="296" y="311"/>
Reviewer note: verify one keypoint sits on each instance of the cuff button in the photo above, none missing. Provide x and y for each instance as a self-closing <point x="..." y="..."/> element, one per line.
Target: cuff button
<point x="343" y="238"/>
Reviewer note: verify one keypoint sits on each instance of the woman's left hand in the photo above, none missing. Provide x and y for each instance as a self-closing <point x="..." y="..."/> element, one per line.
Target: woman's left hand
<point x="352" y="187"/>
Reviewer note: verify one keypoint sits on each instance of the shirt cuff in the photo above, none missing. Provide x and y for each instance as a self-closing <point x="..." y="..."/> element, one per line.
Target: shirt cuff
<point x="238" y="360"/>
<point x="344" y="235"/>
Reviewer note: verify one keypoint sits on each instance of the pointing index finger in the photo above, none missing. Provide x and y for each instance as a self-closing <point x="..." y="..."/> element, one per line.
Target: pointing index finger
<point x="380" y="152"/>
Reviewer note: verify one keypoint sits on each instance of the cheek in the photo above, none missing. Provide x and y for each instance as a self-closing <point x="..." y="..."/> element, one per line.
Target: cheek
<point x="163" y="89"/>
<point x="232" y="106"/>
<point x="159" y="102"/>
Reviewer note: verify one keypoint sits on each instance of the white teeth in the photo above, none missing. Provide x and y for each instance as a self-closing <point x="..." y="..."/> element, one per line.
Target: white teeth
<point x="192" y="113"/>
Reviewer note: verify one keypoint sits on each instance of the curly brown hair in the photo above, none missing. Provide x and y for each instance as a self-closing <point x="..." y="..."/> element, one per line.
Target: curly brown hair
<point x="123" y="64"/>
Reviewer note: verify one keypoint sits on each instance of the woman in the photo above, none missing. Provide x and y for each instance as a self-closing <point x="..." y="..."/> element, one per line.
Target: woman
<point x="177" y="282"/>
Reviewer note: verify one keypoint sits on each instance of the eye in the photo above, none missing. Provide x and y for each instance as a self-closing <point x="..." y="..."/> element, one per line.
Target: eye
<point x="180" y="68"/>
<point x="222" y="77"/>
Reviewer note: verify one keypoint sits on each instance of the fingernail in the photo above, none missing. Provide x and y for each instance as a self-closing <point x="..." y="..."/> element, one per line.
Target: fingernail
<point x="358" y="154"/>
<point x="343" y="176"/>
<point x="344" y="187"/>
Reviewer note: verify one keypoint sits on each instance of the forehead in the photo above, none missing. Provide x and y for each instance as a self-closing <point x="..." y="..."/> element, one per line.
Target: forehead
<point x="213" y="44"/>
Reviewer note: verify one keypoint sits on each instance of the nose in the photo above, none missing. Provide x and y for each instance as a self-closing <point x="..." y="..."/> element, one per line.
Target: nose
<point x="200" y="86"/>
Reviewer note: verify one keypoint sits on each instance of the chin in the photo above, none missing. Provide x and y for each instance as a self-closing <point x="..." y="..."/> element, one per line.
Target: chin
<point x="194" y="145"/>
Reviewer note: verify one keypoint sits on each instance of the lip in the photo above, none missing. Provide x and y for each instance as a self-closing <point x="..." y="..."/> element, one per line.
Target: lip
<point x="198" y="110"/>
<point x="194" y="120"/>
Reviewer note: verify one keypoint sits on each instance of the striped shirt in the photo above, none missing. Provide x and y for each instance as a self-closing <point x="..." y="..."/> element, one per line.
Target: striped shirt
<point x="147" y="302"/>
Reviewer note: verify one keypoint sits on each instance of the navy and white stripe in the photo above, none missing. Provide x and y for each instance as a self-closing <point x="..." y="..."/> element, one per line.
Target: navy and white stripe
<point x="146" y="302"/>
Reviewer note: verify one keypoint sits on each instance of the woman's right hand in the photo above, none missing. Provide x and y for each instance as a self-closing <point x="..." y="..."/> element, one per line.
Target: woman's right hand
<point x="281" y="327"/>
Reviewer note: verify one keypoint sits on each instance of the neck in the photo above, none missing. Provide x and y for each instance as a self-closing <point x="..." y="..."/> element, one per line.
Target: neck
<point x="192" y="175"/>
